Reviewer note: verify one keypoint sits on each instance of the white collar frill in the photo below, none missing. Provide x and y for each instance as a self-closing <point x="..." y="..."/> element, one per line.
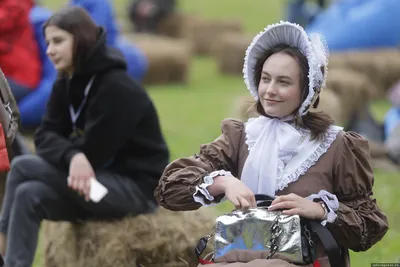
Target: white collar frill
<point x="271" y="140"/>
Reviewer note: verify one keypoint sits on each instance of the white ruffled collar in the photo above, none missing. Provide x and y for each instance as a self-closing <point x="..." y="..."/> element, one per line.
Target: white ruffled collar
<point x="279" y="153"/>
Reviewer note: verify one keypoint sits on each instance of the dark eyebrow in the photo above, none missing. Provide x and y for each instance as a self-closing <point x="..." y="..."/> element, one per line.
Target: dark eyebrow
<point x="264" y="72"/>
<point x="279" y="77"/>
<point x="284" y="77"/>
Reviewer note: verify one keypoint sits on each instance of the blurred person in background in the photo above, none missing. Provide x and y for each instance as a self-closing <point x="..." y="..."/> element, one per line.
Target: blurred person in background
<point x="100" y="125"/>
<point x="145" y="15"/>
<point x="303" y="12"/>
<point x="392" y="125"/>
<point x="102" y="13"/>
<point x="383" y="137"/>
<point x="19" y="53"/>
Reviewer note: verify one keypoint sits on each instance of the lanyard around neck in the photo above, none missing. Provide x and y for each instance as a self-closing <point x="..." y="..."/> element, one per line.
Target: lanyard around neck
<point x="75" y="115"/>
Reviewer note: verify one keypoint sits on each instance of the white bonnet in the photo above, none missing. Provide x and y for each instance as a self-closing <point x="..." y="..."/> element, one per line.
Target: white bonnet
<point x="313" y="47"/>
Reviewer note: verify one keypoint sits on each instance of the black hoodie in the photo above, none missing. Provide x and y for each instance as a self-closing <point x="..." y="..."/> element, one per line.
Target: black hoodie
<point x="119" y="126"/>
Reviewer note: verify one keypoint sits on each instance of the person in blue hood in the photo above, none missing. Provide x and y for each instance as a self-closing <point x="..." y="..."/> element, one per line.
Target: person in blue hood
<point x="103" y="14"/>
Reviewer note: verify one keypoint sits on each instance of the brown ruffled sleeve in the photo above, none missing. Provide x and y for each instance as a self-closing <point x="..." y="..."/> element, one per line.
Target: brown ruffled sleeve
<point x="359" y="223"/>
<point x="180" y="178"/>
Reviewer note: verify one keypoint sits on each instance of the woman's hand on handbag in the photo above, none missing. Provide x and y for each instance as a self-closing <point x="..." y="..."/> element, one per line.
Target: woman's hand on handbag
<point x="80" y="173"/>
<point x="293" y="204"/>
<point x="237" y="192"/>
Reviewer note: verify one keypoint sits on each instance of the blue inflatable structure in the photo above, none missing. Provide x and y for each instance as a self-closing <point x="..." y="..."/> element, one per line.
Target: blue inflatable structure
<point x="359" y="24"/>
<point x="33" y="106"/>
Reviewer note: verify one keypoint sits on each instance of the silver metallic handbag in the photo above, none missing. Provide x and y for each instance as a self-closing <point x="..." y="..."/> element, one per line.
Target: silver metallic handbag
<point x="262" y="234"/>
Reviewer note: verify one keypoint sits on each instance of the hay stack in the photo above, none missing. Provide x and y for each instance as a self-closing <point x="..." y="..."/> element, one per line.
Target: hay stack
<point x="204" y="32"/>
<point x="242" y="107"/>
<point x="153" y="240"/>
<point x="385" y="164"/>
<point x="125" y="26"/>
<point x="329" y="102"/>
<point x="173" y="25"/>
<point x="353" y="88"/>
<point x="381" y="66"/>
<point x="229" y="50"/>
<point x="169" y="59"/>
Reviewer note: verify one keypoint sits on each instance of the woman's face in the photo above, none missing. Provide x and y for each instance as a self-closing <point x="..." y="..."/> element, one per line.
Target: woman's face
<point x="279" y="89"/>
<point x="60" y="44"/>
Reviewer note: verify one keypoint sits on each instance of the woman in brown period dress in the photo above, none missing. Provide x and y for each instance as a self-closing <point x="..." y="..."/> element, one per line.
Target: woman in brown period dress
<point x="313" y="168"/>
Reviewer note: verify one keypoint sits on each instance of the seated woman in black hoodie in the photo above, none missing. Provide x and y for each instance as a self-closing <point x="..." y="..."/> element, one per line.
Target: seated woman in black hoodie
<point x="100" y="124"/>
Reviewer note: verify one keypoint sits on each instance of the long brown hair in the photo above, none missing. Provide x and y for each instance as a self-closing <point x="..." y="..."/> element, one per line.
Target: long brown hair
<point x="317" y="122"/>
<point x="77" y="22"/>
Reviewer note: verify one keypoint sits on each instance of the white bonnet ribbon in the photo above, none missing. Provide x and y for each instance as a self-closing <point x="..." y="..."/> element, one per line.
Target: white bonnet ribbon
<point x="260" y="169"/>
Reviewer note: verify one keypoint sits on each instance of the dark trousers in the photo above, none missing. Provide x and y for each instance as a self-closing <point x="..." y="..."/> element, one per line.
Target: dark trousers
<point x="36" y="190"/>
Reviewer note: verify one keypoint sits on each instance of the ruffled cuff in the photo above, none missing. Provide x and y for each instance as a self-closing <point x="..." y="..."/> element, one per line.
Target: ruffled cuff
<point x="330" y="201"/>
<point x="201" y="195"/>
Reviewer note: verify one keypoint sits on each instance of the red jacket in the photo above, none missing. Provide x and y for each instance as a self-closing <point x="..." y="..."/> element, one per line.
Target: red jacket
<point x="4" y="159"/>
<point x="19" y="52"/>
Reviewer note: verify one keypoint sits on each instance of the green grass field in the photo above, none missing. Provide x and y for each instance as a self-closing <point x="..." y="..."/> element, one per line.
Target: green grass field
<point x="191" y="114"/>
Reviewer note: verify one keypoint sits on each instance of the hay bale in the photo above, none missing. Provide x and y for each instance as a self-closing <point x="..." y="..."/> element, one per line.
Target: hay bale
<point x="60" y="235"/>
<point x="242" y="107"/>
<point x="162" y="239"/>
<point x="169" y="59"/>
<point x="385" y="164"/>
<point x="173" y="25"/>
<point x="203" y="32"/>
<point x="199" y="32"/>
<point x="125" y="26"/>
<point x="378" y="150"/>
<point x="382" y="66"/>
<point x="353" y="88"/>
<point x="329" y="102"/>
<point x="229" y="51"/>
